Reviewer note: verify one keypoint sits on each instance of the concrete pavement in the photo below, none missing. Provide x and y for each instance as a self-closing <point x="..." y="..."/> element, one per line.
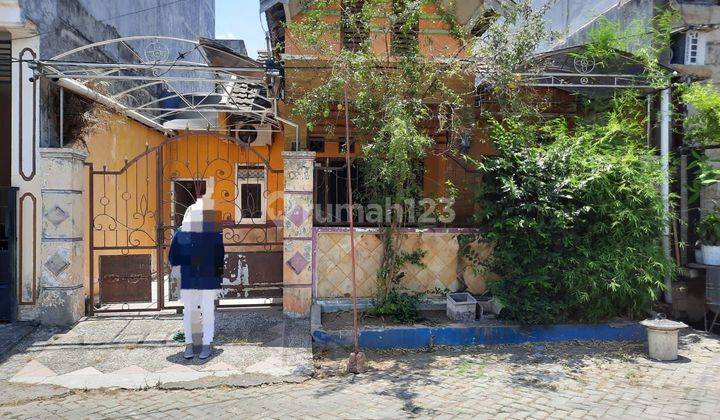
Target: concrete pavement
<point x="251" y="347"/>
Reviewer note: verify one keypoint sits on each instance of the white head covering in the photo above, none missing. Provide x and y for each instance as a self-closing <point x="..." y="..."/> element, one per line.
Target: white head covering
<point x="193" y="219"/>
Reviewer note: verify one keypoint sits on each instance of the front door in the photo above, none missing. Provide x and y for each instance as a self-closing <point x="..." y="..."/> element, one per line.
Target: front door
<point x="185" y="193"/>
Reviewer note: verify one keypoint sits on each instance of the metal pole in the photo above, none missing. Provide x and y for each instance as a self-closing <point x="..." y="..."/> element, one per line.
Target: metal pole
<point x="665" y="189"/>
<point x="350" y="218"/>
<point x="160" y="232"/>
<point x="91" y="237"/>
<point x="649" y="120"/>
<point x="62" y="115"/>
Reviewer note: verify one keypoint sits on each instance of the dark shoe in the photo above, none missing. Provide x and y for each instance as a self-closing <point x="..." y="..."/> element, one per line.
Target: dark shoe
<point x="205" y="352"/>
<point x="189" y="353"/>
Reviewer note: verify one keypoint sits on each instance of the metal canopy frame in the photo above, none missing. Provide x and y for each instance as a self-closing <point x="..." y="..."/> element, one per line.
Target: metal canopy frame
<point x="158" y="79"/>
<point x="570" y="70"/>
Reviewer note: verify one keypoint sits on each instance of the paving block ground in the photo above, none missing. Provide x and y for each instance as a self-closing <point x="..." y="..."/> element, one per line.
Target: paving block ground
<point x="568" y="380"/>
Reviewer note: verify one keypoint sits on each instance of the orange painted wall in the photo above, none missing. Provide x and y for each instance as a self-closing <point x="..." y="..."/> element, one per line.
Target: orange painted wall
<point x="124" y="199"/>
<point x="201" y="156"/>
<point x="434" y="37"/>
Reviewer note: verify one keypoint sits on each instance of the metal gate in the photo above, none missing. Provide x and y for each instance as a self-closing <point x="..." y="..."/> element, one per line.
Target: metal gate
<point x="8" y="256"/>
<point x="135" y="210"/>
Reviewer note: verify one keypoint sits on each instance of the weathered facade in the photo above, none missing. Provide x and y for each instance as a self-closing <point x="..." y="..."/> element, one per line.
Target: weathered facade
<point x="96" y="209"/>
<point x="326" y="259"/>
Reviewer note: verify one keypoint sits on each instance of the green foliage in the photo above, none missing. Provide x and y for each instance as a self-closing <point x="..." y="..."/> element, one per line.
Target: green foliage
<point x="403" y="307"/>
<point x="708" y="230"/>
<point x="702" y="125"/>
<point x="510" y="45"/>
<point x="390" y="273"/>
<point x="706" y="174"/>
<point x="389" y="162"/>
<point x="639" y="41"/>
<point x="576" y="217"/>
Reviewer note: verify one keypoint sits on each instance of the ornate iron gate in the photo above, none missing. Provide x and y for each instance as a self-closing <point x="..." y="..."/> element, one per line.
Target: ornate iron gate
<point x="135" y="210"/>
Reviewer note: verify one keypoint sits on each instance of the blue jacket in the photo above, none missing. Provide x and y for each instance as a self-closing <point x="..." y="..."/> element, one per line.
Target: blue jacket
<point x="201" y="257"/>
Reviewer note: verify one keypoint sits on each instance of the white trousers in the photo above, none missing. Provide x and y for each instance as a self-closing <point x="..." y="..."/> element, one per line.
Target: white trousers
<point x="199" y="300"/>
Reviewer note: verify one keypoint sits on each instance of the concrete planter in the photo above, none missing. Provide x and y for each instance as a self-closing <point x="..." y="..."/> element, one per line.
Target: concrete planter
<point x="711" y="254"/>
<point x="461" y="307"/>
<point x="662" y="338"/>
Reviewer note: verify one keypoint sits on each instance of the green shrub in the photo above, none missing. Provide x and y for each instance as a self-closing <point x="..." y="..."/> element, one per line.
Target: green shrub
<point x="702" y="125"/>
<point x="403" y="307"/>
<point x="577" y="219"/>
<point x="708" y="230"/>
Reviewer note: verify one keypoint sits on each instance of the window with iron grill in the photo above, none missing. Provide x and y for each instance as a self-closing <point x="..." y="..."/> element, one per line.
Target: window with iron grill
<point x="406" y="28"/>
<point x="251" y="195"/>
<point x="354" y="30"/>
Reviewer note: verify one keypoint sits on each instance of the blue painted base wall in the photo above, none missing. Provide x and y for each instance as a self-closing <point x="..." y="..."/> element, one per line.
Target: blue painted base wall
<point x="461" y="335"/>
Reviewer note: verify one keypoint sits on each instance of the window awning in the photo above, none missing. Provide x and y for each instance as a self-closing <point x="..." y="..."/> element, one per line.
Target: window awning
<point x="170" y="83"/>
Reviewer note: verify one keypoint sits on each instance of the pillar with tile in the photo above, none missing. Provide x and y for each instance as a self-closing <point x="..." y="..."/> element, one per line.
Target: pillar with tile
<point x="61" y="297"/>
<point x="297" y="228"/>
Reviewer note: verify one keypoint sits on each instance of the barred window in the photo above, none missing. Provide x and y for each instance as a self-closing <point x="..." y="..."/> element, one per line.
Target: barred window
<point x="250" y="202"/>
<point x="354" y="30"/>
<point x="694" y="48"/>
<point x="406" y="27"/>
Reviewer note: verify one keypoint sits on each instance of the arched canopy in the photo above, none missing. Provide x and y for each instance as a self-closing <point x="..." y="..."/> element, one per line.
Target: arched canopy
<point x="171" y="83"/>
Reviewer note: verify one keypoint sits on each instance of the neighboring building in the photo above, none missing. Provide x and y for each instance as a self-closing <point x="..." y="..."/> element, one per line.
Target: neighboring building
<point x="30" y="110"/>
<point x="696" y="39"/>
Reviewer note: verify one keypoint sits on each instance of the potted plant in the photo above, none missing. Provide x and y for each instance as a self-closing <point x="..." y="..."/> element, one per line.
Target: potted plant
<point x="708" y="231"/>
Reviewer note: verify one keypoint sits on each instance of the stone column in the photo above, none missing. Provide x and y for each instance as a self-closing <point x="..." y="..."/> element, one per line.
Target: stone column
<point x="61" y="297"/>
<point x="297" y="228"/>
<point x="24" y="165"/>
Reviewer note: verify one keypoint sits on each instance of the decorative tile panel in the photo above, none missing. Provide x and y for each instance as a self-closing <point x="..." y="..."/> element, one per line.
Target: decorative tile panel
<point x="443" y="266"/>
<point x="297" y="229"/>
<point x="297" y="262"/>
<point x="298" y="215"/>
<point x="295" y="225"/>
<point x="58" y="262"/>
<point x="56" y="215"/>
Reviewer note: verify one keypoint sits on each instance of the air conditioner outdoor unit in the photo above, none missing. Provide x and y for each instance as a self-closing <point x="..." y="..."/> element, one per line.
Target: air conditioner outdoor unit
<point x="253" y="134"/>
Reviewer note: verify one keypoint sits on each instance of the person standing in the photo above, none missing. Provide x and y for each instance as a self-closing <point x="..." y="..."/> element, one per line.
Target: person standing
<point x="197" y="249"/>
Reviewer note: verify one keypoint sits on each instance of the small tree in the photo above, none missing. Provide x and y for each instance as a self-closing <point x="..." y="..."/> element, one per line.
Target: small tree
<point x="393" y="90"/>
